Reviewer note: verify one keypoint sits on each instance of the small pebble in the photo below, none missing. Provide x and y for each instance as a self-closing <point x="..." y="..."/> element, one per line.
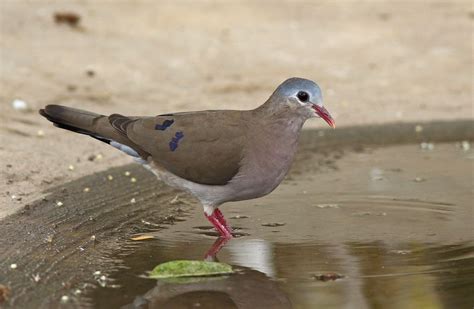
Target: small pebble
<point x="40" y="133"/>
<point x="49" y="238"/>
<point x="465" y="145"/>
<point x="419" y="179"/>
<point x="59" y="203"/>
<point x="13" y="266"/>
<point x="77" y="292"/>
<point x="133" y="201"/>
<point x="133" y="179"/>
<point x="64" y="299"/>
<point x="71" y="167"/>
<point x="110" y="177"/>
<point x="36" y="278"/>
<point x="127" y="173"/>
<point x="19" y="105"/>
<point x="418" y="128"/>
<point x="93" y="238"/>
<point x="86" y="189"/>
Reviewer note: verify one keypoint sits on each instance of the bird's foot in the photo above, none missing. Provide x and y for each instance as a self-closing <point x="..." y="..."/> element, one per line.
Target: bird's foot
<point x="222" y="220"/>
<point x="216" y="247"/>
<point x="218" y="221"/>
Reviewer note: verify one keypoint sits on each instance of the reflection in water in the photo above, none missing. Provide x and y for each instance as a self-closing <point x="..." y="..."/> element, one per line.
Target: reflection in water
<point x="246" y="289"/>
<point x="377" y="276"/>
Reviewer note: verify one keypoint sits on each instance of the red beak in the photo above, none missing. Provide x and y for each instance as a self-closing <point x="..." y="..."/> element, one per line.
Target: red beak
<point x="323" y="113"/>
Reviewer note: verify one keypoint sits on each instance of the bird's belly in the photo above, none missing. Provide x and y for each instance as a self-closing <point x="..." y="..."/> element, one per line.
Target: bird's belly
<point x="262" y="180"/>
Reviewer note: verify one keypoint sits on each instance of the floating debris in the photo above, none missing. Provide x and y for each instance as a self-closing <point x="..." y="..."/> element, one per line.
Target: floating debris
<point x="19" y="105"/>
<point x="419" y="179"/>
<point x="328" y="277"/>
<point x="274" y="224"/>
<point x="59" y="203"/>
<point x="465" y="145"/>
<point x="327" y="206"/>
<point x="401" y="252"/>
<point x="93" y="238"/>
<point x="142" y="237"/>
<point x="239" y="217"/>
<point x="36" y="278"/>
<point x="368" y="213"/>
<point x="77" y="292"/>
<point x="110" y="177"/>
<point x="188" y="268"/>
<point x="40" y="133"/>
<point x="13" y="266"/>
<point x="86" y="189"/>
<point x="71" y="167"/>
<point x="127" y="173"/>
<point x="133" y="201"/>
<point x="133" y="179"/>
<point x="427" y="146"/>
<point x="175" y="200"/>
<point x="418" y="128"/>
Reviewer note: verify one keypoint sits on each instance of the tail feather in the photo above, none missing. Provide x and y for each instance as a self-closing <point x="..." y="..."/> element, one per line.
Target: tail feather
<point x="89" y="123"/>
<point x="69" y="118"/>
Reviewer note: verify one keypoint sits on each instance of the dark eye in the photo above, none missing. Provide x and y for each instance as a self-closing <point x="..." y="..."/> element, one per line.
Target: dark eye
<point x="303" y="96"/>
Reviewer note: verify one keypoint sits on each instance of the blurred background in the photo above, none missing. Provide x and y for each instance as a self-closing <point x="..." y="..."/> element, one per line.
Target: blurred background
<point x="376" y="61"/>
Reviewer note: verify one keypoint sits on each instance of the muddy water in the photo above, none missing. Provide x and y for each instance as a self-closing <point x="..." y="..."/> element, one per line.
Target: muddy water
<point x="395" y="222"/>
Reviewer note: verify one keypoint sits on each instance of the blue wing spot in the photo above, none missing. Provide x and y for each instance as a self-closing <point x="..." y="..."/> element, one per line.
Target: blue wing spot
<point x="175" y="140"/>
<point x="166" y="124"/>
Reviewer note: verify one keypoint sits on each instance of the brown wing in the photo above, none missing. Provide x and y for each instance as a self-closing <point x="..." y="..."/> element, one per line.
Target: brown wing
<point x="204" y="147"/>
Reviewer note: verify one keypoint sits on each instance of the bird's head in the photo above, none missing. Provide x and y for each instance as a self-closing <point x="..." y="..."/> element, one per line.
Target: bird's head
<point x="301" y="96"/>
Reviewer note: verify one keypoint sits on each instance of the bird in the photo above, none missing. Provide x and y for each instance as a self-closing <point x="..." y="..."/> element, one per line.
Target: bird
<point x="217" y="156"/>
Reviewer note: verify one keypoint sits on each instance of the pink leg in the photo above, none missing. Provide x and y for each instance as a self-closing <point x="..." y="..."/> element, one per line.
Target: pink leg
<point x="218" y="225"/>
<point x="221" y="219"/>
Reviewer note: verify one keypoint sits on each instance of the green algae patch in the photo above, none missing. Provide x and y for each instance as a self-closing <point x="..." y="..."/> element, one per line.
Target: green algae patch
<point x="189" y="268"/>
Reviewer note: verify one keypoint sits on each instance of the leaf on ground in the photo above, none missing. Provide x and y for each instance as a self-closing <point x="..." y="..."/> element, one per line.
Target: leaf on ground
<point x="142" y="237"/>
<point x="187" y="268"/>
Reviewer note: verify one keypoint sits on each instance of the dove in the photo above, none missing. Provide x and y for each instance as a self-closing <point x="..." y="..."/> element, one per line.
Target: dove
<point x="217" y="156"/>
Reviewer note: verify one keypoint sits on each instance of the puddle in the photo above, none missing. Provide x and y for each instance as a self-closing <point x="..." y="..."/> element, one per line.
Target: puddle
<point x="357" y="212"/>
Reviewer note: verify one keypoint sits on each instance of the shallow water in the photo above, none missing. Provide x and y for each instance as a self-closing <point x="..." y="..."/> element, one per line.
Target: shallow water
<point x="394" y="222"/>
<point x="398" y="240"/>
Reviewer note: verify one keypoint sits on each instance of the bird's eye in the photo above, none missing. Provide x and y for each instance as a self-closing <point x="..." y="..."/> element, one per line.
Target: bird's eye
<point x="303" y="96"/>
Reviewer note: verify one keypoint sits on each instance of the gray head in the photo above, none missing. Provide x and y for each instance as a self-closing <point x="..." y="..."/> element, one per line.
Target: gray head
<point x="300" y="96"/>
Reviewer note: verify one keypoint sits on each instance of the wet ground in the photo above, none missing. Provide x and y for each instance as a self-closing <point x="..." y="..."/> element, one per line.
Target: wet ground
<point x="386" y="210"/>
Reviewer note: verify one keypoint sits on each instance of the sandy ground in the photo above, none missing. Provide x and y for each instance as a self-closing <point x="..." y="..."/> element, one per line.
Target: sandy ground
<point x="377" y="62"/>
